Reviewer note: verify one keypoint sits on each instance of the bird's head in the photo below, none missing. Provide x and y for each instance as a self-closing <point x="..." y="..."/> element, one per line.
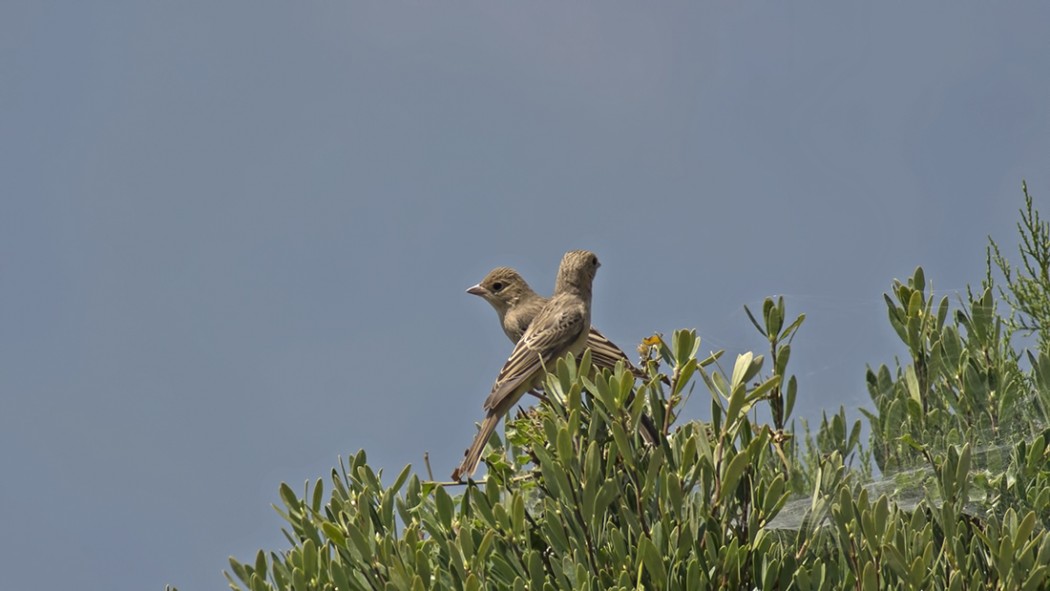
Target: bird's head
<point x="577" y="271"/>
<point x="502" y="288"/>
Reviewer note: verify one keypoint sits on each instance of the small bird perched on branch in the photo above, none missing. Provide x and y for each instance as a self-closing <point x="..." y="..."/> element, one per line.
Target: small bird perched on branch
<point x="517" y="305"/>
<point x="561" y="326"/>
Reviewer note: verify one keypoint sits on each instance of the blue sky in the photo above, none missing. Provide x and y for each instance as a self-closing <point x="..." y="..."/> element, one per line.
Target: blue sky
<point x="235" y="236"/>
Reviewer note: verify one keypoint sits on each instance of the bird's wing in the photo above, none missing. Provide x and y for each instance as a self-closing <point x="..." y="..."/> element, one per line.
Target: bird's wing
<point x="551" y="333"/>
<point x="605" y="353"/>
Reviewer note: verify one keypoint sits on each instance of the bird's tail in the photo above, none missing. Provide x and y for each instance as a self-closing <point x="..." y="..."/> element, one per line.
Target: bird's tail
<point x="473" y="455"/>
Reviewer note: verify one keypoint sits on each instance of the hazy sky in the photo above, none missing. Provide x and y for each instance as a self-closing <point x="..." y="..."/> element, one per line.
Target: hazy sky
<point x="235" y="236"/>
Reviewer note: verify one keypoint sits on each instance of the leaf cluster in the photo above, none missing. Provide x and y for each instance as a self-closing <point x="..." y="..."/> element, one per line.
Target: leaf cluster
<point x="574" y="498"/>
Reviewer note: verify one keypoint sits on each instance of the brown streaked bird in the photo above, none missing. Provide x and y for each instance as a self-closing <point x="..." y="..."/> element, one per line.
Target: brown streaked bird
<point x="512" y="298"/>
<point x="560" y="327"/>
<point x="517" y="304"/>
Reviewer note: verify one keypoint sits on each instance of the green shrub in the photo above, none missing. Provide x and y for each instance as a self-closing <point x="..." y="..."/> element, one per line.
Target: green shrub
<point x="574" y="498"/>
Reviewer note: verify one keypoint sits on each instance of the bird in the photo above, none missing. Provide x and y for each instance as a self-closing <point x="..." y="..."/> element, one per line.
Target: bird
<point x="560" y="327"/>
<point x="517" y="304"/>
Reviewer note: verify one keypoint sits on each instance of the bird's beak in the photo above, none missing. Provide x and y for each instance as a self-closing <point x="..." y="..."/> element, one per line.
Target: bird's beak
<point x="477" y="290"/>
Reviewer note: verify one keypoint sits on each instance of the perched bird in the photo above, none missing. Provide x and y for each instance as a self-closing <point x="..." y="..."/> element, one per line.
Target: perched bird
<point x="517" y="304"/>
<point x="512" y="298"/>
<point x="560" y="327"/>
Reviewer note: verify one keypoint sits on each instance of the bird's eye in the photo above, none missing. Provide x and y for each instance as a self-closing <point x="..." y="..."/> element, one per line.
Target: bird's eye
<point x="497" y="286"/>
<point x="594" y="261"/>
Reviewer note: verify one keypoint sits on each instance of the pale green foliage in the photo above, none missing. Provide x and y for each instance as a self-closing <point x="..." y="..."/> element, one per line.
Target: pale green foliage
<point x="1028" y="285"/>
<point x="581" y="502"/>
<point x="962" y="382"/>
<point x="585" y="504"/>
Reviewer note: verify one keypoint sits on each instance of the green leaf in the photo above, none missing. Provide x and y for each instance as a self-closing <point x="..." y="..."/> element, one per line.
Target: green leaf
<point x="774" y="317"/>
<point x="755" y="322"/>
<point x="869" y="581"/>
<point x="333" y="533"/>
<point x="1024" y="529"/>
<point x="918" y="280"/>
<point x="762" y="389"/>
<point x="288" y="496"/>
<point x="651" y="560"/>
<point x="781" y="361"/>
<point x="444" y="506"/>
<point x="260" y="563"/>
<point x="401" y="478"/>
<point x="740" y="369"/>
<point x="731" y="475"/>
<point x="789" y="399"/>
<point x="684" y="375"/>
<point x="790" y="330"/>
<point x="258" y="583"/>
<point x="686" y="345"/>
<point x="318" y="495"/>
<point x="310" y="559"/>
<point x="912" y="382"/>
<point x="768" y="306"/>
<point x="623" y="447"/>
<point x="608" y="493"/>
<point x="585" y="364"/>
